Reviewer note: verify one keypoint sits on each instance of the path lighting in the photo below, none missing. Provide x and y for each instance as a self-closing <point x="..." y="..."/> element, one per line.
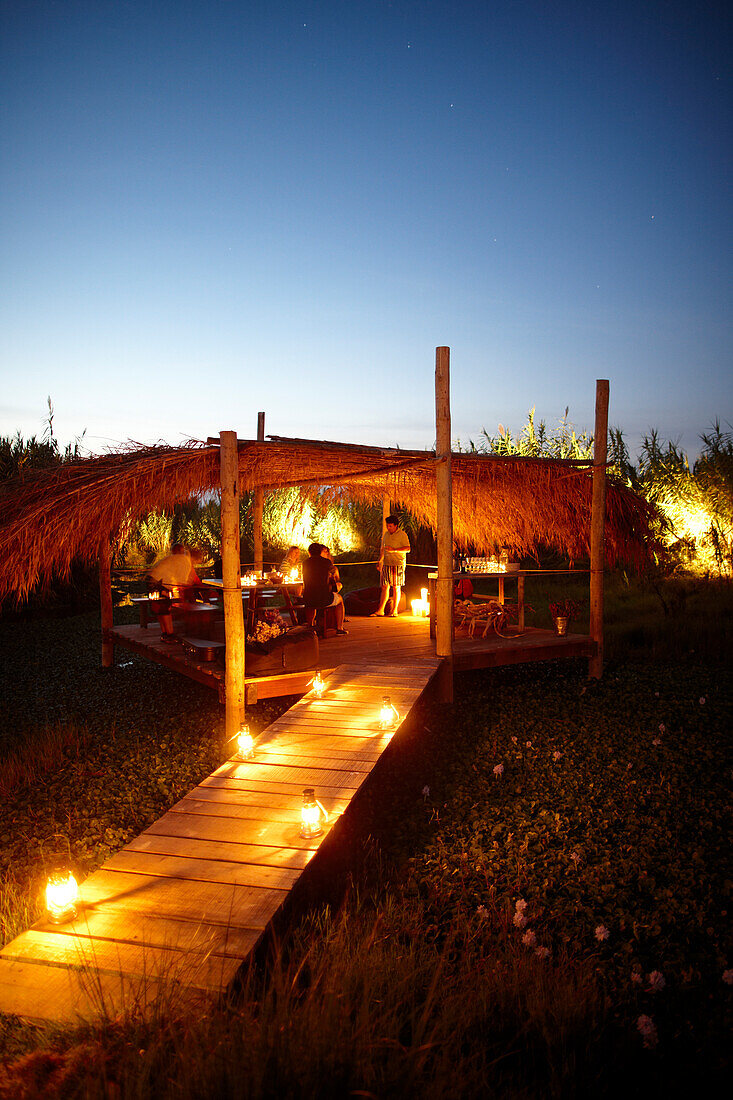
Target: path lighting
<point x="389" y="716"/>
<point x="421" y="607"/>
<point x="62" y="896"/>
<point x="312" y="815"/>
<point x="318" y="684"/>
<point x="245" y="744"/>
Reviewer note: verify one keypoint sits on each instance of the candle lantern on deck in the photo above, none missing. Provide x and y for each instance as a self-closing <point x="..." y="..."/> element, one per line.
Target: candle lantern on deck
<point x="245" y="744"/>
<point x="318" y="684"/>
<point x="312" y="815"/>
<point x="388" y="714"/>
<point x="62" y="896"/>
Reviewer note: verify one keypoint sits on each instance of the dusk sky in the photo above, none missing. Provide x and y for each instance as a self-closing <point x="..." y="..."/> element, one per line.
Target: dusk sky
<point x="211" y="207"/>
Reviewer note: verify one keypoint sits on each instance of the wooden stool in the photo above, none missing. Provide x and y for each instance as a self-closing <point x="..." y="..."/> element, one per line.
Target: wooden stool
<point x="326" y="620"/>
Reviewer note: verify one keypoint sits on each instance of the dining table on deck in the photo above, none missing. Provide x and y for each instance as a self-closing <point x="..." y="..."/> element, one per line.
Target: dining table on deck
<point x="256" y="593"/>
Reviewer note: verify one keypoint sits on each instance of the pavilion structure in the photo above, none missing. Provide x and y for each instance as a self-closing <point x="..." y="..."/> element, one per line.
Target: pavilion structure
<point x="84" y="509"/>
<point x="191" y="897"/>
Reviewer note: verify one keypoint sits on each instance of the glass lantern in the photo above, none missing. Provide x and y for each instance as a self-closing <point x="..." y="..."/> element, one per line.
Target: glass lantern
<point x="312" y="815"/>
<point x="62" y="896"/>
<point x="388" y="714"/>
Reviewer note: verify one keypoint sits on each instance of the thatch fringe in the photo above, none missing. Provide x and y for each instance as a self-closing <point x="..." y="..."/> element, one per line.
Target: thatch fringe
<point x="50" y="518"/>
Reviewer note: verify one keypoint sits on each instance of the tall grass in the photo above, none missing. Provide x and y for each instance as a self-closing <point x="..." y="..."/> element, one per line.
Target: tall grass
<point x="40" y="754"/>
<point x="368" y="1002"/>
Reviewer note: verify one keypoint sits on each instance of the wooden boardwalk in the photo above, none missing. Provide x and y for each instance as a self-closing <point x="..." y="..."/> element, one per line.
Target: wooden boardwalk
<point x="405" y="638"/>
<point x="183" y="905"/>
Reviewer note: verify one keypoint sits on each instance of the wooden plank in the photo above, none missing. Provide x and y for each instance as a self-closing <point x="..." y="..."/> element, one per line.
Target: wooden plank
<point x="259" y="856"/>
<point x="39" y="992"/>
<point x="353" y="748"/>
<point x="112" y="922"/>
<point x="327" y="763"/>
<point x="202" y="870"/>
<point x="292" y="773"/>
<point x="212" y="973"/>
<point x="215" y="903"/>
<point x="205" y="827"/>
<point x="231" y="810"/>
<point x="244" y="797"/>
<point x="263" y="786"/>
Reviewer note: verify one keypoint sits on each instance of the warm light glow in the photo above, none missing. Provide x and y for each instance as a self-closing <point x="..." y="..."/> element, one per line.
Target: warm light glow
<point x="424" y="595"/>
<point x="388" y="715"/>
<point x="62" y="896"/>
<point x="293" y="576"/>
<point x="318" y="684"/>
<point x="245" y="744"/>
<point x="249" y="580"/>
<point x="312" y="815"/>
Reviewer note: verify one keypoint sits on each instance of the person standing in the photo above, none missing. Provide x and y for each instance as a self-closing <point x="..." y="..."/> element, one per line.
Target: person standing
<point x="392" y="562"/>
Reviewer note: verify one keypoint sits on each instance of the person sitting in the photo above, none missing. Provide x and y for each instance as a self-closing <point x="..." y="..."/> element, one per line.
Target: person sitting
<point x="291" y="562"/>
<point x="318" y="586"/>
<point x="174" y="577"/>
<point x="335" y="580"/>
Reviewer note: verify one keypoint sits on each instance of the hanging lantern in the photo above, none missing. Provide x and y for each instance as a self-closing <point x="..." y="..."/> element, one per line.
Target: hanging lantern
<point x="312" y="815"/>
<point x="388" y="715"/>
<point x="245" y="744"/>
<point x="62" y="896"/>
<point x="318" y="684"/>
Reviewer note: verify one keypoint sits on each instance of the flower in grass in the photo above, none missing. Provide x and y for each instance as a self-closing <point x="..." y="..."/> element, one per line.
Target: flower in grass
<point x="426" y="791"/>
<point x="576" y="858"/>
<point x="636" y="977"/>
<point x="702" y="700"/>
<point x="542" y="952"/>
<point x="529" y="939"/>
<point x="528" y="745"/>
<point x="520" y="904"/>
<point x="648" y="1031"/>
<point x="556" y="755"/>
<point x="657" y="741"/>
<point x="656" y="981"/>
<point x="662" y="727"/>
<point x="498" y="770"/>
<point x="482" y="912"/>
<point x="602" y="933"/>
<point x="519" y="919"/>
<point x="514" y="740"/>
<point x="728" y="977"/>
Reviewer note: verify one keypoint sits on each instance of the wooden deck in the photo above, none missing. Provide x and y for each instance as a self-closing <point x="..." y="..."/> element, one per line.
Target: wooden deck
<point x="403" y="639"/>
<point x="182" y="906"/>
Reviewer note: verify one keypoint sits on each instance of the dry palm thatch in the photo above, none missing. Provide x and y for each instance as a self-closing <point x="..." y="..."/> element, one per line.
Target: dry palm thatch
<point x="50" y="518"/>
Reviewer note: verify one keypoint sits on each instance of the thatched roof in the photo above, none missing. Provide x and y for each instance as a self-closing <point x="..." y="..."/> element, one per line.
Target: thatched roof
<point x="50" y="518"/>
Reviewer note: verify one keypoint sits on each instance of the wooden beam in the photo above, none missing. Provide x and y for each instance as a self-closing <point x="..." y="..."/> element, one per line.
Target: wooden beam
<point x="232" y="592"/>
<point x="259" y="502"/>
<point x="444" y="522"/>
<point x="597" y="530"/>
<point x="105" y="600"/>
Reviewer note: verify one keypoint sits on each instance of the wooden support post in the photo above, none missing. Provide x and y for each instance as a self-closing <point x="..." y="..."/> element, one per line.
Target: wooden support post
<point x="444" y="584"/>
<point x="386" y="510"/>
<point x="232" y="592"/>
<point x="597" y="528"/>
<point x="259" y="503"/>
<point x="105" y="600"/>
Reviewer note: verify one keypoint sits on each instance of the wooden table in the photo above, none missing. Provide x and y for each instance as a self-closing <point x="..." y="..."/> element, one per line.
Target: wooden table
<point x="254" y="594"/>
<point x="518" y="575"/>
